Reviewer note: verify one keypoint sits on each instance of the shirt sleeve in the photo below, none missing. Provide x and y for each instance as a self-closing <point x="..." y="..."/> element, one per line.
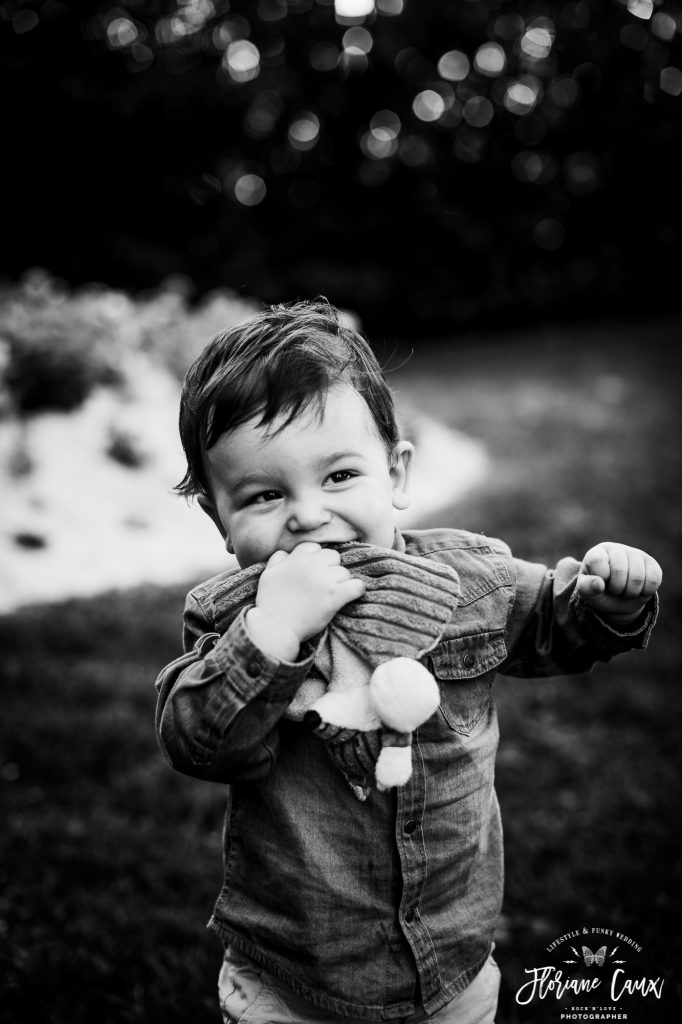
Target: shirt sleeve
<point x="551" y="631"/>
<point x="219" y="704"/>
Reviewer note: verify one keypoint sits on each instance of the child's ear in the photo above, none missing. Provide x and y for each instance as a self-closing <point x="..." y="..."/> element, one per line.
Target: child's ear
<point x="401" y="471"/>
<point x="209" y="508"/>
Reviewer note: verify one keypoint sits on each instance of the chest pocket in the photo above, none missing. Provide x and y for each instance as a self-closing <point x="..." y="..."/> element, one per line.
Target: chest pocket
<point x="465" y="669"/>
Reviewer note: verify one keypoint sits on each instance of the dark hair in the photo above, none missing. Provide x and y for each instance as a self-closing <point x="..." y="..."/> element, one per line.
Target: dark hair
<point x="276" y="362"/>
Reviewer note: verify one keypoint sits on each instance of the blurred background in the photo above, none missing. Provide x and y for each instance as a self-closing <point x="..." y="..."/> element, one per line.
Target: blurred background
<point x="430" y="164"/>
<point x="491" y="189"/>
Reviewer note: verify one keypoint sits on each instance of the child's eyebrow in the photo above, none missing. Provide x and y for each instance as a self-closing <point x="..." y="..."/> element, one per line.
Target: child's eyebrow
<point x="339" y="456"/>
<point x="246" y="479"/>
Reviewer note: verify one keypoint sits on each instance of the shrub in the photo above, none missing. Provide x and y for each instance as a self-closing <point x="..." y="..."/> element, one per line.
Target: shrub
<point x="57" y="346"/>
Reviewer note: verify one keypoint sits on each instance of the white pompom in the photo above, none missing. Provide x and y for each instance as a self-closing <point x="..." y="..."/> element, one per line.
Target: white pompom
<point x="349" y="709"/>
<point x="394" y="767"/>
<point x="404" y="693"/>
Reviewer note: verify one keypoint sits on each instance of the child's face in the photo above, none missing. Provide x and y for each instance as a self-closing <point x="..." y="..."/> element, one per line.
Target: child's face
<point x="326" y="477"/>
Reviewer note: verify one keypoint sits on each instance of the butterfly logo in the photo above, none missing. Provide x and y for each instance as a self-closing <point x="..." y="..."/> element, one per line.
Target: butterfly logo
<point x="589" y="958"/>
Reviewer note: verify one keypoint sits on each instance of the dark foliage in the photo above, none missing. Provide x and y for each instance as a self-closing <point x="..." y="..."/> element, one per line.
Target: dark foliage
<point x="435" y="164"/>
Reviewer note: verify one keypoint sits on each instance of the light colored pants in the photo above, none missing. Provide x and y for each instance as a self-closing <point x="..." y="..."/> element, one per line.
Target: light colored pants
<point x="249" y="995"/>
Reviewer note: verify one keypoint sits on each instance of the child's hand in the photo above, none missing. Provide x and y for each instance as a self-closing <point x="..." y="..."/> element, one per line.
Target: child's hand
<point x="298" y="595"/>
<point x="617" y="581"/>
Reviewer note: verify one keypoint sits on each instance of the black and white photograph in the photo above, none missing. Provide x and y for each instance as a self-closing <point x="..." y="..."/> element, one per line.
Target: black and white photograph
<point x="340" y="489"/>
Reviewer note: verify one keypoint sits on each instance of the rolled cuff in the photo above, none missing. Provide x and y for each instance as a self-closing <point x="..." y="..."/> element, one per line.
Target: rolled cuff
<point x="605" y="636"/>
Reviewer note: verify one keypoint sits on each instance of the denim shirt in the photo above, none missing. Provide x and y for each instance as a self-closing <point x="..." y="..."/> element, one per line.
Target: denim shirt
<point x="371" y="909"/>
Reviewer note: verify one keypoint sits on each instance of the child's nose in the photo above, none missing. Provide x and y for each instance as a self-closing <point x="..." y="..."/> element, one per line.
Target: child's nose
<point x="307" y="513"/>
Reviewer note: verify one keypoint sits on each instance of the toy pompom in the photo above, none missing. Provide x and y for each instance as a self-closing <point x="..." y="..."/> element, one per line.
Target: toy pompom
<point x="394" y="767"/>
<point x="350" y="709"/>
<point x="404" y="694"/>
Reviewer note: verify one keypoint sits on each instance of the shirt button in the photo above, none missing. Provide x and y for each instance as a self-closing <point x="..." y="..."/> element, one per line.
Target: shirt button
<point x="253" y="668"/>
<point x="469" y="660"/>
<point x="409" y="826"/>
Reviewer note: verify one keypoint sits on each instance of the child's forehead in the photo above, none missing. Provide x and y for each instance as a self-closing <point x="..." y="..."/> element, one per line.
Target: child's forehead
<point x="340" y="406"/>
<point x="335" y="422"/>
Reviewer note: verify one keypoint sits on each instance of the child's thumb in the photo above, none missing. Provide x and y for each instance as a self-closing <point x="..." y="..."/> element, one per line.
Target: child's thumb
<point x="589" y="586"/>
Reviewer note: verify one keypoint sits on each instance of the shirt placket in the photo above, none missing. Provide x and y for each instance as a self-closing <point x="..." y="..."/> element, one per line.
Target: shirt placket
<point x="412" y="849"/>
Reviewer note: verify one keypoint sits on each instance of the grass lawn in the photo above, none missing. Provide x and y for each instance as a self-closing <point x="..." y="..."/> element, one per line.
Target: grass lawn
<point x="111" y="862"/>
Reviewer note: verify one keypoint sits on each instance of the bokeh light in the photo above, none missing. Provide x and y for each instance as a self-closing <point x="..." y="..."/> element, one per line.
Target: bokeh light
<point x="357" y="38"/>
<point x="353" y="60"/>
<point x="549" y="234"/>
<point x="664" y="26"/>
<point x="428" y="105"/>
<point x="381" y="141"/>
<point x="454" y="66"/>
<point x="391" y="7"/>
<point x="533" y="166"/>
<point x="121" y="32"/>
<point x="304" y="130"/>
<point x="191" y="16"/>
<point x="353" y="8"/>
<point x="249" y="189"/>
<point x="242" y="60"/>
<point x="478" y="111"/>
<point x="490" y="59"/>
<point x="272" y="10"/>
<point x="538" y="38"/>
<point x="582" y="173"/>
<point x="24" y="21"/>
<point x="522" y="95"/>
<point x="671" y="81"/>
<point x="263" y="114"/>
<point x="230" y="29"/>
<point x="641" y="8"/>
<point x="414" y="151"/>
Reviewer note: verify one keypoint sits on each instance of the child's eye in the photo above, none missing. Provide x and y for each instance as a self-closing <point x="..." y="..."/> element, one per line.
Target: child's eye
<point x="262" y="498"/>
<point x="341" y="476"/>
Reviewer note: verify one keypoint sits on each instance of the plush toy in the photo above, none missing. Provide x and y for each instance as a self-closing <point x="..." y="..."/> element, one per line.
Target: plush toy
<point x="370" y="691"/>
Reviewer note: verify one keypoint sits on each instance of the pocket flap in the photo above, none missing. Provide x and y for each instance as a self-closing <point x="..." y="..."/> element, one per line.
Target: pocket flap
<point x="468" y="656"/>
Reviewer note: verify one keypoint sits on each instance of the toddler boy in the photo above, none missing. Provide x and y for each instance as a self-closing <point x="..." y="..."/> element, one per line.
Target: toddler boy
<point x="334" y="908"/>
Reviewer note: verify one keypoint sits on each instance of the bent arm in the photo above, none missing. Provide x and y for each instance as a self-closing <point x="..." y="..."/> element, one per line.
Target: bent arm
<point x="551" y="631"/>
<point x="219" y="704"/>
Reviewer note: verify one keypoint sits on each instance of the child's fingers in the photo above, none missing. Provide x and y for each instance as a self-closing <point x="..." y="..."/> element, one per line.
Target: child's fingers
<point x="627" y="572"/>
<point x="617" y="581"/>
<point x="653" y="576"/>
<point x="351" y="589"/>
<point x="636" y="573"/>
<point x="306" y="547"/>
<point x="589" y="586"/>
<point x="596" y="562"/>
<point x="611" y="563"/>
<point x="340" y="575"/>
